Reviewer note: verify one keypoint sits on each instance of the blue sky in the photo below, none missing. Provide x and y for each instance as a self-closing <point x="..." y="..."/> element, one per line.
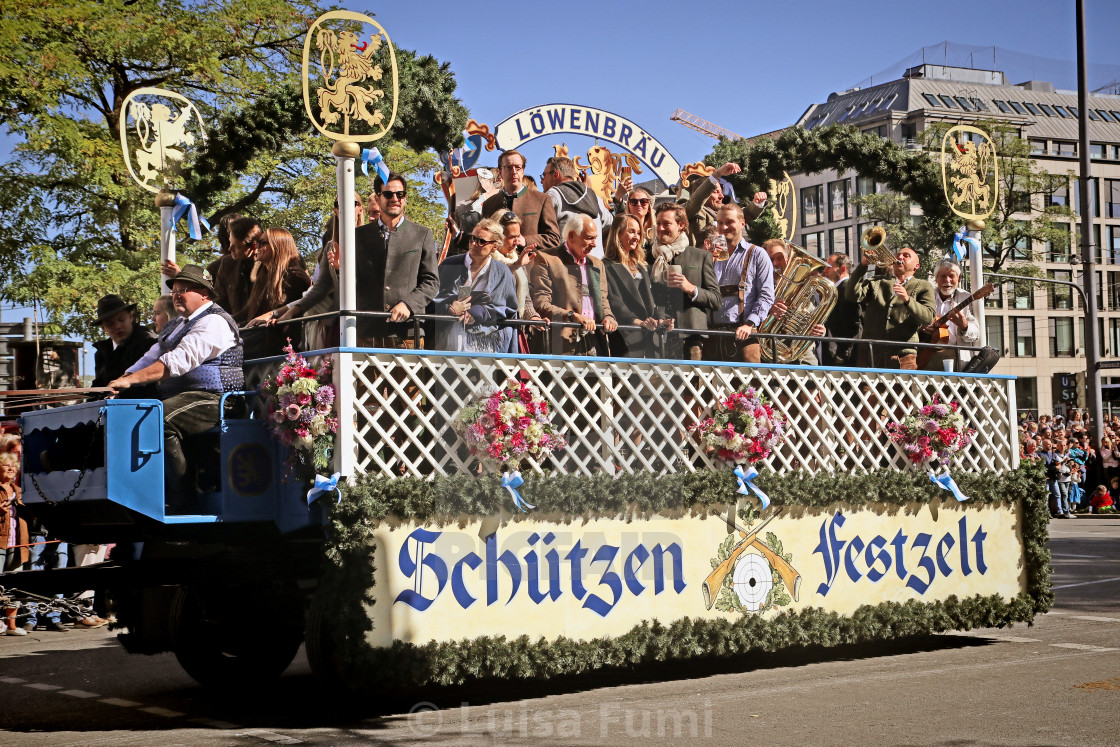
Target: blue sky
<point x="748" y="66"/>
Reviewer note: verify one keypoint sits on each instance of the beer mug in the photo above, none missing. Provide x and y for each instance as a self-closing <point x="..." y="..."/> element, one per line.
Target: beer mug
<point x="719" y="248"/>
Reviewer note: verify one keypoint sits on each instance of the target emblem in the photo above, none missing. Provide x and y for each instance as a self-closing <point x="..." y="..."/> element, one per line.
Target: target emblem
<point x="752" y="580"/>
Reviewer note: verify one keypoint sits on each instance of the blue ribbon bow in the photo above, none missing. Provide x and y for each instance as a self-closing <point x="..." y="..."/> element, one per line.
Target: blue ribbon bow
<point x="323" y="486"/>
<point x="373" y="156"/>
<point x="946" y="482"/>
<point x="183" y="206"/>
<point x="961" y="242"/>
<point x="745" y="481"/>
<point x="511" y="481"/>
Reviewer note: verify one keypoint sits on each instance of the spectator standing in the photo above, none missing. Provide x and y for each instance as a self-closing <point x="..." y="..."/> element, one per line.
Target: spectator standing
<point x="517" y="257"/>
<point x="469" y="213"/>
<point x="13" y="532"/>
<point x="481" y="292"/>
<point x="570" y="196"/>
<point x="706" y="198"/>
<point x="125" y="340"/>
<point x="280" y="280"/>
<point x="683" y="281"/>
<point x="845" y="319"/>
<point x="395" y="264"/>
<point x="745" y="282"/>
<point x="570" y="286"/>
<point x="538" y="218"/>
<point x="629" y="289"/>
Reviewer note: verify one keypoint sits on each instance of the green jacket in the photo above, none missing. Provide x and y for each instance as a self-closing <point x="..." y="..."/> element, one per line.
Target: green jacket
<point x="885" y="315"/>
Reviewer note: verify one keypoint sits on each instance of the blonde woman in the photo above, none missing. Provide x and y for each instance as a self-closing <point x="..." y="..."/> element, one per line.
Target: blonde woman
<point x="629" y="290"/>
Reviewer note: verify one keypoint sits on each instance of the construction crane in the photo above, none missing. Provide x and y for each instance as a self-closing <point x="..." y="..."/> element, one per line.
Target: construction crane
<point x="703" y="125"/>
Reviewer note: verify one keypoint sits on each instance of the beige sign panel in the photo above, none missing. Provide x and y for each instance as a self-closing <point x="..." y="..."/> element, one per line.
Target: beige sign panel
<point x="343" y="80"/>
<point x="157" y="126"/>
<point x="540" y="576"/>
<point x="783" y="199"/>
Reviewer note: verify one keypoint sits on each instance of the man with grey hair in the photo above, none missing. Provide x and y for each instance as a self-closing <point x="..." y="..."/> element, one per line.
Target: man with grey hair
<point x="569" y="285"/>
<point x="962" y="326"/>
<point x="570" y="197"/>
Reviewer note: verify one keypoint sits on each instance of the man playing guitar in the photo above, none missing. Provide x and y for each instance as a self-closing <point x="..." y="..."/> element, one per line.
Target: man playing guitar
<point x="955" y="323"/>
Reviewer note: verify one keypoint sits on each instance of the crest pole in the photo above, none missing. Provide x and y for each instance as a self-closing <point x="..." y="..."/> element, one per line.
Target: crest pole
<point x="345" y="153"/>
<point x="976" y="274"/>
<point x="165" y="201"/>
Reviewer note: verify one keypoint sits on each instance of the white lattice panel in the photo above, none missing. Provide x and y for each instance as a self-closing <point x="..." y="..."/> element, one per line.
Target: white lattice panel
<point x="632" y="416"/>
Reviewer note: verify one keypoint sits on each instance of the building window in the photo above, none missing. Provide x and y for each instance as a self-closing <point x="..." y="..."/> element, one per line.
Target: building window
<point x="1059" y="252"/>
<point x="1075" y="111"/>
<point x="1113" y="337"/>
<point x="1104" y="115"/>
<point x="812" y="207"/>
<point x="1114" y="244"/>
<point x="813" y="243"/>
<point x="1064" y="148"/>
<point x="1061" y="336"/>
<point x="980" y="105"/>
<point x="1062" y="110"/>
<point x="1092" y="115"/>
<point x="1096" y="150"/>
<point x="1022" y="336"/>
<point x="1092" y="197"/>
<point x="1032" y="108"/>
<point x="1112" y="198"/>
<point x="1047" y="110"/>
<point x="965" y="103"/>
<point x="1060" y="297"/>
<point x="1115" y="114"/>
<point x="993" y="332"/>
<point x="930" y="99"/>
<point x="838" y="240"/>
<point x="1002" y="106"/>
<point x="1022" y="295"/>
<point x="1026" y="396"/>
<point x="948" y="101"/>
<point x="1017" y="107"/>
<point x="1058" y="196"/>
<point x="1023" y="248"/>
<point x="995" y="298"/>
<point x="838" y="200"/>
<point x="1038" y="147"/>
<point x="1113" y="291"/>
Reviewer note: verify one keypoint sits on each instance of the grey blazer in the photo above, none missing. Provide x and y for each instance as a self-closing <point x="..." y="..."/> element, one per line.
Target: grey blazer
<point x="404" y="271"/>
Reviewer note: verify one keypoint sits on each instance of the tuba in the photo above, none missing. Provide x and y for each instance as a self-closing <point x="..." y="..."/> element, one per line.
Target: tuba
<point x="809" y="297"/>
<point x="874" y="245"/>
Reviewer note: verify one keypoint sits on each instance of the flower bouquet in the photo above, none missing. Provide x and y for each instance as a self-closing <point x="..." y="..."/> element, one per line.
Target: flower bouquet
<point x="507" y="425"/>
<point x="743" y="429"/>
<point x="300" y="407"/>
<point x="935" y="434"/>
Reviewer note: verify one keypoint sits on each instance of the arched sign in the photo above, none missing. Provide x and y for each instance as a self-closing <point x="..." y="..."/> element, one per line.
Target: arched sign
<point x="554" y="119"/>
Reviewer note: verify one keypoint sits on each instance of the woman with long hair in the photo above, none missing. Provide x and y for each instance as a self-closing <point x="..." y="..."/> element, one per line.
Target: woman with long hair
<point x="280" y="279"/>
<point x="639" y="203"/>
<point x="628" y="288"/>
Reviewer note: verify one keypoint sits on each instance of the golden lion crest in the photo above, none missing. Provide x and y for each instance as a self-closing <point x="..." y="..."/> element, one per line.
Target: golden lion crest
<point x="161" y="125"/>
<point x="969" y="172"/>
<point x="351" y="75"/>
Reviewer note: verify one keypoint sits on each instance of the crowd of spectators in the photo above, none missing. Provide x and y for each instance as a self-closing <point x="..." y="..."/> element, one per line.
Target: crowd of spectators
<point x="1081" y="477"/>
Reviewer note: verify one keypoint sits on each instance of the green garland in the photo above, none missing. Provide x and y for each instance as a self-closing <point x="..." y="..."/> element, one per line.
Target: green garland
<point x="367" y="501"/>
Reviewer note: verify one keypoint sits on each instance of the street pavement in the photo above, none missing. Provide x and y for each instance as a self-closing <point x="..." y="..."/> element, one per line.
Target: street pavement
<point x="1054" y="683"/>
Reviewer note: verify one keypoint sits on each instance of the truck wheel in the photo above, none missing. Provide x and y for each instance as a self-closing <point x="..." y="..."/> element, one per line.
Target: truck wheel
<point x="221" y="652"/>
<point x="321" y="651"/>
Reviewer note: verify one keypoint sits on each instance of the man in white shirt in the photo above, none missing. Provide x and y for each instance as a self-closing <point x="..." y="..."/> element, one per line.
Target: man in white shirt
<point x="962" y="326"/>
<point x="196" y="358"/>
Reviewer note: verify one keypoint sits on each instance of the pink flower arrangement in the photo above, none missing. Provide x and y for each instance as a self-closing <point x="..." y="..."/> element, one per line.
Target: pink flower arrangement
<point x="508" y="425"/>
<point x="744" y="428"/>
<point x="300" y="406"/>
<point x="937" y="432"/>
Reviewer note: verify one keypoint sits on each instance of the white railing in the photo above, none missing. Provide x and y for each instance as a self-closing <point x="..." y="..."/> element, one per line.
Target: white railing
<point x="627" y="415"/>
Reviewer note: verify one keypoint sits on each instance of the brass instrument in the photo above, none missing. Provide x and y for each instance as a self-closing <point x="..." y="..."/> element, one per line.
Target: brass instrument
<point x="874" y="245"/>
<point x="809" y="297"/>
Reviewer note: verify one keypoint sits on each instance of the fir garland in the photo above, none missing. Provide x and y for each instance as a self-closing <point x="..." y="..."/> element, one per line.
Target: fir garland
<point x="367" y="501"/>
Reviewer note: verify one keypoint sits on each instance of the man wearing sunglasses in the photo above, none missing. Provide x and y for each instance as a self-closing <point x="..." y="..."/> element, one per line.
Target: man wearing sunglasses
<point x="538" y="218"/>
<point x="706" y="198"/>
<point x="395" y="264"/>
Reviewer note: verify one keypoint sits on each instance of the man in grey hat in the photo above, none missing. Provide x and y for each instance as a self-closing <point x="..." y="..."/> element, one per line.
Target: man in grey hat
<point x="196" y="358"/>
<point x="127" y="341"/>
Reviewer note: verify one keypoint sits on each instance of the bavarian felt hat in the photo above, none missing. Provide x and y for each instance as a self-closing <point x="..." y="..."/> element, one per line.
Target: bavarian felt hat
<point x="196" y="275"/>
<point x="111" y="305"/>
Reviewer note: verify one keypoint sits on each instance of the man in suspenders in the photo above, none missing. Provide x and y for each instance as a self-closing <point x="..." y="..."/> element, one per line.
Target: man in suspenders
<point x="746" y="287"/>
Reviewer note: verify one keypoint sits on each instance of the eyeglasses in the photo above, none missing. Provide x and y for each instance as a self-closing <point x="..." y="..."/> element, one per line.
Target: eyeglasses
<point x="514" y="167"/>
<point x="479" y="241"/>
<point x="387" y="194"/>
<point x="638" y="201"/>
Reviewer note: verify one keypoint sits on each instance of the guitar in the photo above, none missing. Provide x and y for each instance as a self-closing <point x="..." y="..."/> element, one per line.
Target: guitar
<point x="939" y="332"/>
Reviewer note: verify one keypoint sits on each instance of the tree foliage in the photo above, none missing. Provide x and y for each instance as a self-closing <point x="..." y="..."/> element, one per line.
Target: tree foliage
<point x="74" y="226"/>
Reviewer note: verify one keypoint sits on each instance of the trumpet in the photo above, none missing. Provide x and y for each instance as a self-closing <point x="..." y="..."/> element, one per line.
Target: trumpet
<point x="874" y="245"/>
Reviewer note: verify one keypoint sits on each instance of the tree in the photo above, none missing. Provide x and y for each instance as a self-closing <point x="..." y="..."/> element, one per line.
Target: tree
<point x="73" y="225"/>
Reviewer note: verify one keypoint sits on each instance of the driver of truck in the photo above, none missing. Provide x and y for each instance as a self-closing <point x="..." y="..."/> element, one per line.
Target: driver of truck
<point x="197" y="357"/>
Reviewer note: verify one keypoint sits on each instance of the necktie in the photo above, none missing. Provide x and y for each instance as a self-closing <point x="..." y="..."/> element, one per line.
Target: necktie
<point x="509" y="201"/>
